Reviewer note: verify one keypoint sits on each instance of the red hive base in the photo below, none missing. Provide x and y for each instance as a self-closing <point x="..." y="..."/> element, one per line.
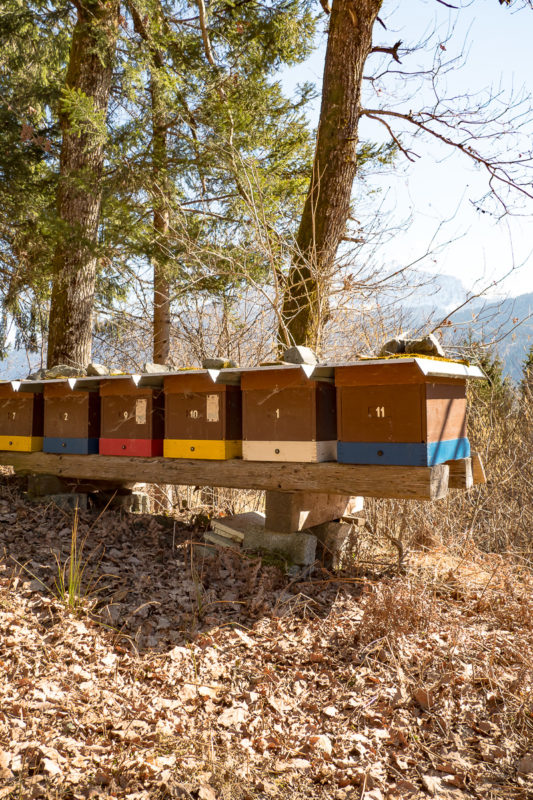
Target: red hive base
<point x="131" y="447"/>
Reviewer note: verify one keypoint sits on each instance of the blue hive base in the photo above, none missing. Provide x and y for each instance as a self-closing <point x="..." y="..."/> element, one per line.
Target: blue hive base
<point x="409" y="454"/>
<point x="73" y="446"/>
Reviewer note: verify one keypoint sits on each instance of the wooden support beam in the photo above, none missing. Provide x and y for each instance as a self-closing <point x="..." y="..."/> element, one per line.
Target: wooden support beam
<point x="460" y="474"/>
<point x="412" y="483"/>
<point x="478" y="469"/>
<point x="295" y="511"/>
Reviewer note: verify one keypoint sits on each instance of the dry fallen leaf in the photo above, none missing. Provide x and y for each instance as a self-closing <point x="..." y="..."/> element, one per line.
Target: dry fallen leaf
<point x="424" y="698"/>
<point x="525" y="765"/>
<point x="233" y="716"/>
<point x="206" y="793"/>
<point x="432" y="784"/>
<point x="321" y="743"/>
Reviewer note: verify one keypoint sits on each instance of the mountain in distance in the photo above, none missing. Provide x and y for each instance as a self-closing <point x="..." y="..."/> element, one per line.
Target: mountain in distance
<point x="435" y="291"/>
<point x="18" y="364"/>
<point x="508" y="321"/>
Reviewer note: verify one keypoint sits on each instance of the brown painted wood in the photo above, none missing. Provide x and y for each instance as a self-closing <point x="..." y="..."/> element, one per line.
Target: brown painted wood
<point x="135" y="415"/>
<point x="380" y="413"/>
<point x="280" y="414"/>
<point x="274" y="409"/>
<point x="274" y="379"/>
<point x="21" y="414"/>
<point x="121" y="387"/>
<point x="420" y="483"/>
<point x="460" y="474"/>
<point x="189" y="405"/>
<point x="192" y="382"/>
<point x="445" y="411"/>
<point x="378" y="374"/>
<point x="407" y="410"/>
<point x="71" y="414"/>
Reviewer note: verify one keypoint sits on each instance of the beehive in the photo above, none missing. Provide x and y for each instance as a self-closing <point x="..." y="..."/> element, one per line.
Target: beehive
<point x="131" y="418"/>
<point x="402" y="411"/>
<point x="71" y="419"/>
<point x="203" y="418"/>
<point x="289" y="414"/>
<point x="21" y="418"/>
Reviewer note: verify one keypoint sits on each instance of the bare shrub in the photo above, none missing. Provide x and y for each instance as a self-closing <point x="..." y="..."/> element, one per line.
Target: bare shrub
<point x="395" y="608"/>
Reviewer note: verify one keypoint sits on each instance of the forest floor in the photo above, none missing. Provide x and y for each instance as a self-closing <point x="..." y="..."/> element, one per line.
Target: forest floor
<point x="178" y="677"/>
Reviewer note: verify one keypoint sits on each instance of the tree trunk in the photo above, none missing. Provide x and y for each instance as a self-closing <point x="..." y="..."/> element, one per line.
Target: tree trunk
<point x="327" y="205"/>
<point x="160" y="211"/>
<point x="79" y="192"/>
<point x="161" y="321"/>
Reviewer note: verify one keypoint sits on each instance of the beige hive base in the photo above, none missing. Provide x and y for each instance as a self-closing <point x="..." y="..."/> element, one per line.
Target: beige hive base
<point x="290" y="451"/>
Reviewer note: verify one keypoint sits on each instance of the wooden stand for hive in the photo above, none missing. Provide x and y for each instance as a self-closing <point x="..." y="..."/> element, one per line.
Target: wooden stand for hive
<point x="411" y="483"/>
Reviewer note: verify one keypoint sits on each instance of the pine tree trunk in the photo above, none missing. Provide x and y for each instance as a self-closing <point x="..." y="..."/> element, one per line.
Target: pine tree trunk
<point x="327" y="205"/>
<point x="80" y="185"/>
<point x="161" y="320"/>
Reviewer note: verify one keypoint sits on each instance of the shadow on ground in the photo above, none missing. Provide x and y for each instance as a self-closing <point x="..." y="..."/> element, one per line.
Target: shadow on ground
<point x="144" y="577"/>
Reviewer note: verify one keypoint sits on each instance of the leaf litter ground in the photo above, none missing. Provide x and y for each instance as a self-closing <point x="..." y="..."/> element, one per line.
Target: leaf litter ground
<point x="224" y="678"/>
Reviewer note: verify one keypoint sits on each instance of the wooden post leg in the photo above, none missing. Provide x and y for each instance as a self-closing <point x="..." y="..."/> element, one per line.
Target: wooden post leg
<point x="460" y="474"/>
<point x="287" y="512"/>
<point x="478" y="469"/>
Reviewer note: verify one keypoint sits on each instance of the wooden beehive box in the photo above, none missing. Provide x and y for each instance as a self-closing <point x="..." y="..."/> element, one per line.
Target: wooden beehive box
<point x="71" y="418"/>
<point x="203" y="419"/>
<point x="131" y="418"/>
<point x="21" y="418"/>
<point x="407" y="411"/>
<point x="289" y="414"/>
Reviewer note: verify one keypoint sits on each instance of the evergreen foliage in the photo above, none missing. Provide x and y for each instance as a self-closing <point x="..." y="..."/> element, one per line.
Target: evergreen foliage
<point x="231" y="136"/>
<point x="34" y="46"/>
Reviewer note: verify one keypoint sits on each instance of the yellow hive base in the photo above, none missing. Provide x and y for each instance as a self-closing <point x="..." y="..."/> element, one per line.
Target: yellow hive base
<point x="213" y="449"/>
<point x="26" y="444"/>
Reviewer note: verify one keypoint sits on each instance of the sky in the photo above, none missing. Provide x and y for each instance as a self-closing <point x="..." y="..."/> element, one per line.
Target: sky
<point x="440" y="187"/>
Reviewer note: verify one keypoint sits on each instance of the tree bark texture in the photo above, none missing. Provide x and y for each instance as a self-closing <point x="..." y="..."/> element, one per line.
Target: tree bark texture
<point x="159" y="188"/>
<point x="161" y="319"/>
<point x="79" y="193"/>
<point x="327" y="205"/>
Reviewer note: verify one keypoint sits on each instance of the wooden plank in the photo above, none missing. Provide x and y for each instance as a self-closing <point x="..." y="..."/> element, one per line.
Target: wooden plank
<point x="478" y="469"/>
<point x="420" y="483"/>
<point x="460" y="474"/>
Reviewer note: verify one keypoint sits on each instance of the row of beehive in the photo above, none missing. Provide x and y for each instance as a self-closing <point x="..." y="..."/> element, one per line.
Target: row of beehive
<point x="396" y="412"/>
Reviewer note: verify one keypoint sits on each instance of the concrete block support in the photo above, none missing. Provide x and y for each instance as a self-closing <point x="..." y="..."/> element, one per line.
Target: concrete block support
<point x="299" y="548"/>
<point x="335" y="540"/>
<point x="250" y="532"/>
<point x="287" y="512"/>
<point x="41" y="485"/>
<point x="69" y="502"/>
